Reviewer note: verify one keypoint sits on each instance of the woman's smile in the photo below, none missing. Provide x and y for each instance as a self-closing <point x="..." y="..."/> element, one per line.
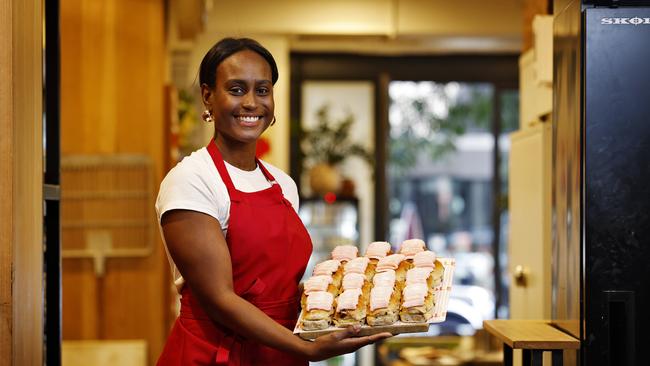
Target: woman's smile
<point x="248" y="121"/>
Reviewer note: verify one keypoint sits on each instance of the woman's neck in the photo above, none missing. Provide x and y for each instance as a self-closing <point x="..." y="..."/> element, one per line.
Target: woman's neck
<point x="237" y="154"/>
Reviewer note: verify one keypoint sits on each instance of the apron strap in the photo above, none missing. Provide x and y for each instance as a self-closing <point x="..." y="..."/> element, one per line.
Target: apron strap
<point x="217" y="159"/>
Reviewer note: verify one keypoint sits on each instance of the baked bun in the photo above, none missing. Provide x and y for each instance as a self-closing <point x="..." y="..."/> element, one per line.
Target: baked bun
<point x="315" y="324"/>
<point x="351" y="307"/>
<point x="427" y="259"/>
<point x="345" y="253"/>
<point x="318" y="283"/>
<point x="359" y="265"/>
<point x="417" y="303"/>
<point x="383" y="307"/>
<point x="317" y="313"/>
<point x="378" y="249"/>
<point x="411" y="247"/>
<point x="331" y="268"/>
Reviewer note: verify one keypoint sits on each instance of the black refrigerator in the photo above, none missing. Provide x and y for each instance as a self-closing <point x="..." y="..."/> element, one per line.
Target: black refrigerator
<point x="601" y="178"/>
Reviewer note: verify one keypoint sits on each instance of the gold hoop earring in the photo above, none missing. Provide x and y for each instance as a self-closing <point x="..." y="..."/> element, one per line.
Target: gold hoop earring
<point x="207" y="116"/>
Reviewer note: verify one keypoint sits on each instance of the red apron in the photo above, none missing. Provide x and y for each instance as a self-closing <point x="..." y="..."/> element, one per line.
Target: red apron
<point x="269" y="249"/>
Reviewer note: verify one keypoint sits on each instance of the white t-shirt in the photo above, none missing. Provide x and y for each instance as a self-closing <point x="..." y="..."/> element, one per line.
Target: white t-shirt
<point x="195" y="184"/>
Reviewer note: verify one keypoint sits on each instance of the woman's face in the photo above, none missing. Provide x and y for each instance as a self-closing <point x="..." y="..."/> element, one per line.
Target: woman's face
<point x="242" y="100"/>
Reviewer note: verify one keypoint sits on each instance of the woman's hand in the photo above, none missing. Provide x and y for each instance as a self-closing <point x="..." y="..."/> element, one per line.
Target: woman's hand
<point x="337" y="343"/>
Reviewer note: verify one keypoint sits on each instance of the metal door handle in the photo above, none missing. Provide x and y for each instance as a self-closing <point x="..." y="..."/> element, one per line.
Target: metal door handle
<point x="520" y="274"/>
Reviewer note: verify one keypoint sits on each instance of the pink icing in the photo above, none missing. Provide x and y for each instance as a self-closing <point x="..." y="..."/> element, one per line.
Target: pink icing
<point x="380" y="297"/>
<point x="317" y="283"/>
<point x="413" y="295"/>
<point x="424" y="259"/>
<point x="411" y="246"/>
<point x="384" y="279"/>
<point x="349" y="299"/>
<point x="418" y="275"/>
<point x="321" y="300"/>
<point x="345" y="252"/>
<point x="378" y="249"/>
<point x="389" y="262"/>
<point x="326" y="268"/>
<point x="353" y="280"/>
<point x="357" y="265"/>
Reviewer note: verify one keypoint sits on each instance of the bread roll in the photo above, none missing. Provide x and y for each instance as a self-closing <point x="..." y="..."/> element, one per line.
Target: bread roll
<point x="437" y="274"/>
<point x="352" y="281"/>
<point x="331" y="268"/>
<point x="375" y="251"/>
<point x="383" y="307"/>
<point x="318" y="283"/>
<point x="427" y="259"/>
<point x="411" y="247"/>
<point x="317" y="312"/>
<point x="417" y="304"/>
<point x="345" y="253"/>
<point x="359" y="265"/>
<point x="351" y="307"/>
<point x="378" y="249"/>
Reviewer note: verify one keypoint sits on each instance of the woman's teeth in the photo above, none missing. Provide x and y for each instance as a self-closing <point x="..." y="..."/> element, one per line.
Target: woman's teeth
<point x="249" y="119"/>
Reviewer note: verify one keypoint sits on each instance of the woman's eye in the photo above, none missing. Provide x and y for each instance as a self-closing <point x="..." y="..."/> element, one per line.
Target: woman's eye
<point x="262" y="91"/>
<point x="237" y="90"/>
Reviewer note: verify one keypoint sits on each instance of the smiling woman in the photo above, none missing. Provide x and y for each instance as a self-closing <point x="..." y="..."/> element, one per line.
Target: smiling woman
<point x="228" y="222"/>
<point x="242" y="100"/>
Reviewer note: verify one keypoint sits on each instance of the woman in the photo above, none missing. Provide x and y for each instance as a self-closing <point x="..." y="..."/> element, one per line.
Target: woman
<point x="231" y="230"/>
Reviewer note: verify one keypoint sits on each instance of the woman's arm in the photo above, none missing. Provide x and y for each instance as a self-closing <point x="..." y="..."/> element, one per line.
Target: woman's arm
<point x="199" y="250"/>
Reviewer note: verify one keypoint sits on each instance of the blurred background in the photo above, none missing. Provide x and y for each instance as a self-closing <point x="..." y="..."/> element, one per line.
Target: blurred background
<point x="394" y="118"/>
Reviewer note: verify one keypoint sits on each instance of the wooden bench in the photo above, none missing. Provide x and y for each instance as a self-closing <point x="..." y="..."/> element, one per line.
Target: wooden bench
<point x="533" y="337"/>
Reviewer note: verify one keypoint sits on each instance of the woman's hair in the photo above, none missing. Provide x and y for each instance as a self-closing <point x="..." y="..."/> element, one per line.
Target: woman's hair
<point x="226" y="48"/>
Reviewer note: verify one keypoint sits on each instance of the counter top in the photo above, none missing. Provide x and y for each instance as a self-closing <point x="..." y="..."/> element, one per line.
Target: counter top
<point x="530" y="334"/>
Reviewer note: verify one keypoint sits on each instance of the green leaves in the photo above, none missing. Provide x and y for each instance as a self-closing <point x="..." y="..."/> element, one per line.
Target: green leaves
<point x="329" y="141"/>
<point x="426" y="119"/>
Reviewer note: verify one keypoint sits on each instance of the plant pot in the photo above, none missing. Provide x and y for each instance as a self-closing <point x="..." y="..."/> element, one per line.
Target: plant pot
<point x="324" y="178"/>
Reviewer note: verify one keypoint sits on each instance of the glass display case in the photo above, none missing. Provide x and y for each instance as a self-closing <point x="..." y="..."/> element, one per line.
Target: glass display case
<point x="330" y="222"/>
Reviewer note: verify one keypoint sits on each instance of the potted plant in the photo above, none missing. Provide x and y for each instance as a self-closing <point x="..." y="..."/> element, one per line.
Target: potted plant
<point x="327" y="145"/>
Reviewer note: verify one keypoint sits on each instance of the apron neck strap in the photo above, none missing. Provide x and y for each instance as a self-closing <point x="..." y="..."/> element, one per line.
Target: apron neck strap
<point x="218" y="161"/>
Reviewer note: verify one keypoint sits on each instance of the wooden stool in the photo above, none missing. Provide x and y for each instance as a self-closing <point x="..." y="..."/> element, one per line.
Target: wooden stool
<point x="533" y="337"/>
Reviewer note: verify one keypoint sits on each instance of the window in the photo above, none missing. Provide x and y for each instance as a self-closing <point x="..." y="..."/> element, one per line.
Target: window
<point x="443" y="121"/>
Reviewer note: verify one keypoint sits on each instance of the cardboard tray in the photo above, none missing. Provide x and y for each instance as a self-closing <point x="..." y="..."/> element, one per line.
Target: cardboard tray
<point x="439" y="312"/>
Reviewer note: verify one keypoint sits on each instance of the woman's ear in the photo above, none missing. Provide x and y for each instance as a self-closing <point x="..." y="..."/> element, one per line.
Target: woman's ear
<point x="206" y="94"/>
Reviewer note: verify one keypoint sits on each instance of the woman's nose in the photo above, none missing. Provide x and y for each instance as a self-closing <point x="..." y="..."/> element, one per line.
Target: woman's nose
<point x="249" y="100"/>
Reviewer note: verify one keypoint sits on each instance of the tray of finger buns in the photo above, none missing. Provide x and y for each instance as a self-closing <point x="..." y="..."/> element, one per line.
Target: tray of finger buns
<point x="401" y="292"/>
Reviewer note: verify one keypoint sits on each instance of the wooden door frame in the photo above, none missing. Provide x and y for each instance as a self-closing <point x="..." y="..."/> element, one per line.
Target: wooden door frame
<point x="21" y="183"/>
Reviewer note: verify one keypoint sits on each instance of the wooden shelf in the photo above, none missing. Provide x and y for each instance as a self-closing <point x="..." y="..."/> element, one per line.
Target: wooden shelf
<point x="530" y="334"/>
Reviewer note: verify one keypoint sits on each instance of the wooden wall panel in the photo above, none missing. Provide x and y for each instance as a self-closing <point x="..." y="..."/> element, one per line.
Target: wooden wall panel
<point x="112" y="102"/>
<point x="21" y="184"/>
<point x="6" y="184"/>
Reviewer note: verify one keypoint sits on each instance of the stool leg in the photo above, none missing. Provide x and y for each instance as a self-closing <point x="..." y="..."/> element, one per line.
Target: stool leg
<point x="558" y="357"/>
<point x="538" y="357"/>
<point x="525" y="357"/>
<point x="507" y="355"/>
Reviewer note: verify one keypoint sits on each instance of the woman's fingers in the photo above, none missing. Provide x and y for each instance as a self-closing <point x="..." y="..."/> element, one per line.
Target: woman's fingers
<point x="350" y="331"/>
<point x="345" y="341"/>
<point x="379" y="336"/>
